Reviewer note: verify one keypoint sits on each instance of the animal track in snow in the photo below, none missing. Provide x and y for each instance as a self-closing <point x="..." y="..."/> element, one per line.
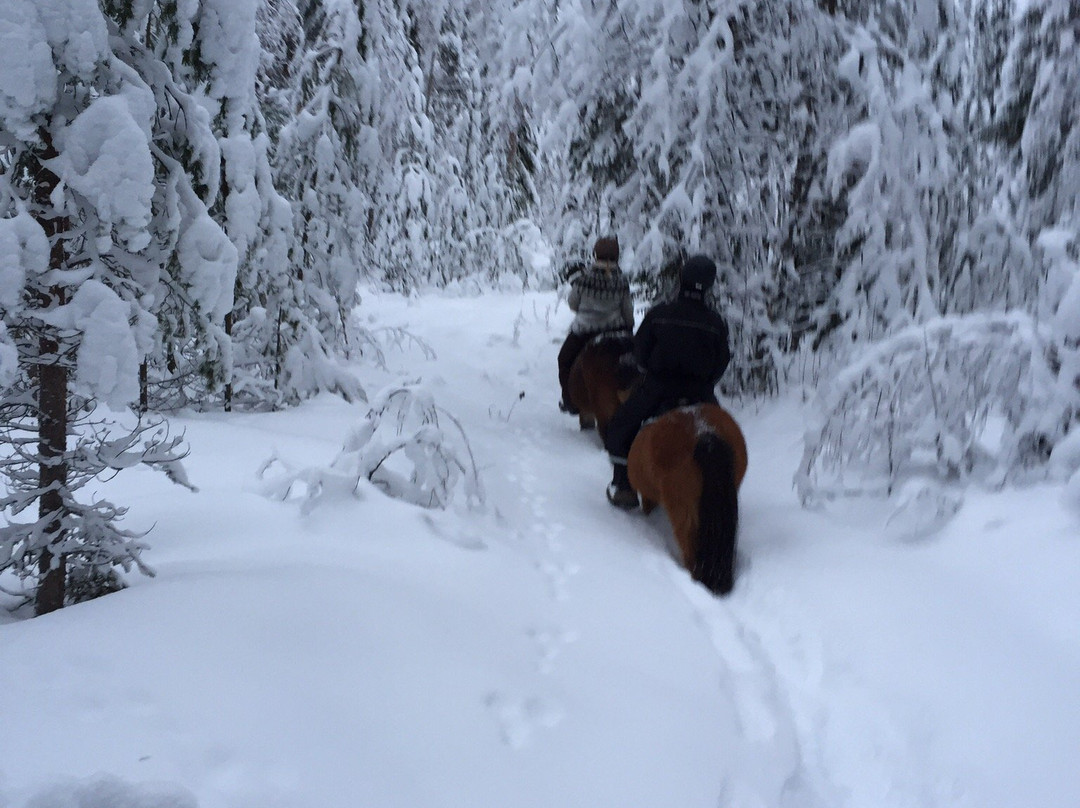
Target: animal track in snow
<point x="558" y="573"/>
<point x="550" y="643"/>
<point x="520" y="718"/>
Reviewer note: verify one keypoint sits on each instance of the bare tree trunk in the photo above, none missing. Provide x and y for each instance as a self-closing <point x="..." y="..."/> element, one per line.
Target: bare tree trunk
<point x="52" y="476"/>
<point x="228" y="383"/>
<point x="144" y="384"/>
<point x="279" y="360"/>
<point x="52" y="380"/>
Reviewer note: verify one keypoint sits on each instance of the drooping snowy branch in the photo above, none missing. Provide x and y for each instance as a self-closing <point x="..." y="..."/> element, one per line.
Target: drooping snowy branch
<point x="927" y="402"/>
<point x="407" y="446"/>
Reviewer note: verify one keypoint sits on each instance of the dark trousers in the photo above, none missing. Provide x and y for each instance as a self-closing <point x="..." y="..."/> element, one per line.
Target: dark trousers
<point x="567" y="354"/>
<point x="652" y="397"/>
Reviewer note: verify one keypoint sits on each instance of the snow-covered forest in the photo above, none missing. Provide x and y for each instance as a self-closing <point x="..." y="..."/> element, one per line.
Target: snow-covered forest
<point x="214" y="209"/>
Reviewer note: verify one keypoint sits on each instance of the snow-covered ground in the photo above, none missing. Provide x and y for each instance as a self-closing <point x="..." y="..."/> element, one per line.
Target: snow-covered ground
<point x="544" y="650"/>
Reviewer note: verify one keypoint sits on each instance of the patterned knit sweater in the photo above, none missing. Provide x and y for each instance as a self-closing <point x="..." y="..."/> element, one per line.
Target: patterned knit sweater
<point x="600" y="300"/>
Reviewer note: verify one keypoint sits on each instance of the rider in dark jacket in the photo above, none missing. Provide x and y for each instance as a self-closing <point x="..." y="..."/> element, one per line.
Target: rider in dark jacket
<point x="683" y="348"/>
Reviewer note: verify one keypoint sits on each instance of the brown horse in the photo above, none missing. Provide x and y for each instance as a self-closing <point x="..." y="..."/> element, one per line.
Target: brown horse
<point x="601" y="378"/>
<point x="692" y="461"/>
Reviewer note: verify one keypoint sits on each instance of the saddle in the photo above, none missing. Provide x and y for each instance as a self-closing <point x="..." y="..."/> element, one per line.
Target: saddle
<point x="669" y="404"/>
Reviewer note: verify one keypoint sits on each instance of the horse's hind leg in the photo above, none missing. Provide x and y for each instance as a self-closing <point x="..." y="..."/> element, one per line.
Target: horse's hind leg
<point x="586" y="421"/>
<point x="601" y="430"/>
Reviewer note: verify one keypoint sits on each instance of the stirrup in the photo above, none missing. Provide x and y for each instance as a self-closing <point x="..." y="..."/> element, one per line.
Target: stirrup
<point x="625" y="498"/>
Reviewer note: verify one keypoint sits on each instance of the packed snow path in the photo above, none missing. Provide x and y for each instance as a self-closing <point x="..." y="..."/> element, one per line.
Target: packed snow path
<point x="753" y="655"/>
<point x="547" y="650"/>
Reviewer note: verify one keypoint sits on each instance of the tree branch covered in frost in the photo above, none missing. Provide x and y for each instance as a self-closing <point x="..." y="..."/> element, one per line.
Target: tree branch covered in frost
<point x="402" y="447"/>
<point x="92" y="545"/>
<point x="922" y="402"/>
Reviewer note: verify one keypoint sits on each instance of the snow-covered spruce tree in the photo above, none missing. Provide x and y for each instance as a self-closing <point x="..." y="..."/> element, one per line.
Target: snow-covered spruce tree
<point x="590" y="70"/>
<point x="822" y="108"/>
<point x="327" y="160"/>
<point x="280" y="32"/>
<point x="918" y="401"/>
<point x="191" y="355"/>
<point x="1038" y="128"/>
<point x="484" y="127"/>
<point x="894" y="169"/>
<point x="454" y="104"/>
<point x="782" y="105"/>
<point x="1038" y="118"/>
<point x="994" y="269"/>
<point x="520" y="116"/>
<point x="416" y="180"/>
<point x="444" y="206"/>
<point x="926" y="235"/>
<point x="495" y="138"/>
<point x="684" y="123"/>
<point x="224" y="58"/>
<point x="212" y="48"/>
<point x="84" y="224"/>
<point x="280" y="353"/>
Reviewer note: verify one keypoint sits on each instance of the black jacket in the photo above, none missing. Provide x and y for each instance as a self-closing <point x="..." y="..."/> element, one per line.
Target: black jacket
<point x="683" y="342"/>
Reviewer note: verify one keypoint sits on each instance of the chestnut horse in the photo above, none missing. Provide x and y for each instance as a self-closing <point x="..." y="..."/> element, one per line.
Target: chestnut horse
<point x="601" y="378"/>
<point x="691" y="461"/>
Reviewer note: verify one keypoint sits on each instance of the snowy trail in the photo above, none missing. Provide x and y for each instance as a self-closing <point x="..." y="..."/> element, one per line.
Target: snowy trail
<point x="769" y="662"/>
<point x="793" y="703"/>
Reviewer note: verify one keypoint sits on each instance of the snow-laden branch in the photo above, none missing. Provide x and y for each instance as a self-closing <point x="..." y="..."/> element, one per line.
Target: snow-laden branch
<point x="402" y="446"/>
<point x="927" y="402"/>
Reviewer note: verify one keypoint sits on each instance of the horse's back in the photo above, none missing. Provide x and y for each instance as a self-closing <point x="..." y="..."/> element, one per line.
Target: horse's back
<point x="667" y="443"/>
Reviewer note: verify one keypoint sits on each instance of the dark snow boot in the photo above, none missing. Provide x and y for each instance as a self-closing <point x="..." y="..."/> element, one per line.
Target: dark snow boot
<point x="619" y="492"/>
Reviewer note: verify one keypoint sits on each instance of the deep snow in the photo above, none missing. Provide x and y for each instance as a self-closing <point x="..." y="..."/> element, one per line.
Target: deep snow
<point x="544" y="650"/>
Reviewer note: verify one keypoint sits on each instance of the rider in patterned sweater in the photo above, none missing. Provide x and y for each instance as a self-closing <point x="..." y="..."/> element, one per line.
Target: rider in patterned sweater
<point x="683" y="348"/>
<point x="600" y="300"/>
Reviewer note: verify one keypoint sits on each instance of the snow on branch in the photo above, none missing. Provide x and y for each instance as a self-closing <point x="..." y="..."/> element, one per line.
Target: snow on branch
<point x="928" y="402"/>
<point x="93" y="544"/>
<point x="407" y="446"/>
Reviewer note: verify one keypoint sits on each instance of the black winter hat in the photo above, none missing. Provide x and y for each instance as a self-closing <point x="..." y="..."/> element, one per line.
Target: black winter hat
<point x="606" y="249"/>
<point x="698" y="274"/>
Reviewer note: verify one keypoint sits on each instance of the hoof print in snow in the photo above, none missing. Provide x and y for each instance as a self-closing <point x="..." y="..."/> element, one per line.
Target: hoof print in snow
<point x="519" y="718"/>
<point x="549" y="644"/>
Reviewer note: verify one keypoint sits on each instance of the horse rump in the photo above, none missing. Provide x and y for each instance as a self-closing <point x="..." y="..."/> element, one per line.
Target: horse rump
<point x="718" y="514"/>
<point x="599" y="378"/>
<point x="691" y="461"/>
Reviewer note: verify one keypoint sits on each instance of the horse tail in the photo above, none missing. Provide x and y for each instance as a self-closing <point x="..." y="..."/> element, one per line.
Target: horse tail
<point x="718" y="514"/>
